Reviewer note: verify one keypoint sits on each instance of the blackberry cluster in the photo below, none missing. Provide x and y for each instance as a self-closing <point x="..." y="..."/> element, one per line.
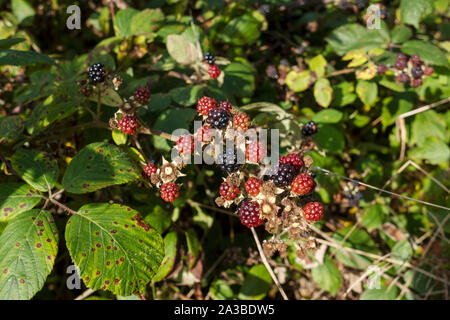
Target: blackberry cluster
<point x="218" y="118"/>
<point x="209" y="57"/>
<point x="410" y="69"/>
<point x="309" y="128"/>
<point x="229" y="161"/>
<point x="97" y="73"/>
<point x="284" y="175"/>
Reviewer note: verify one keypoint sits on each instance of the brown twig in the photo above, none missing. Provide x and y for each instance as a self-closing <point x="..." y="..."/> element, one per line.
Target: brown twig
<point x="267" y="265"/>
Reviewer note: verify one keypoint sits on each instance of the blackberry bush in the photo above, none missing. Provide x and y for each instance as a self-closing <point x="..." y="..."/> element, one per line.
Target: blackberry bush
<point x="97" y="178"/>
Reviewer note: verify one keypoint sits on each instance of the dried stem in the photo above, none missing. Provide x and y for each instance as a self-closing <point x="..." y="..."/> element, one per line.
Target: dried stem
<point x="267" y="265"/>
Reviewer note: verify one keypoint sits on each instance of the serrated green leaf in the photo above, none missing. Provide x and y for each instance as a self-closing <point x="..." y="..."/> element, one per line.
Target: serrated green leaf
<point x="384" y="293"/>
<point x="146" y="21"/>
<point x="256" y="283"/>
<point x="299" y="81"/>
<point x="411" y="11"/>
<point x="22" y="9"/>
<point x="400" y="33"/>
<point x="428" y="52"/>
<point x="433" y="150"/>
<point x="120" y="138"/>
<point x="10" y="129"/>
<point x="186" y="96"/>
<point x="170" y="249"/>
<point x="28" y="247"/>
<point x="23" y="58"/>
<point x="323" y="92"/>
<point x="367" y="92"/>
<point x="354" y="36"/>
<point x="36" y="168"/>
<point x="402" y="251"/>
<point x="318" y="65"/>
<point x="330" y="138"/>
<point x="156" y="216"/>
<point x="239" y="79"/>
<point x="96" y="166"/>
<point x="181" y="49"/>
<point x="159" y="101"/>
<point x="16" y="198"/>
<point x="122" y="21"/>
<point x="328" y="116"/>
<point x="243" y="30"/>
<point x="427" y="125"/>
<point x="45" y="114"/>
<point x="7" y="43"/>
<point x="373" y="216"/>
<point x="113" y="249"/>
<point x="108" y="97"/>
<point x="327" y="276"/>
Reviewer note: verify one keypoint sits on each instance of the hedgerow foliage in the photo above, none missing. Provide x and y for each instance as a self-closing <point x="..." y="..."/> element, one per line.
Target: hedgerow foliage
<point x="86" y="122"/>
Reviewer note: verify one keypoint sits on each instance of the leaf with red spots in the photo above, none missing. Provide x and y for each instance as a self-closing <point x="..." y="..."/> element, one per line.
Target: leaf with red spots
<point x="98" y="165"/>
<point x="113" y="248"/>
<point x="28" y="247"/>
<point x="16" y="198"/>
<point x="36" y="168"/>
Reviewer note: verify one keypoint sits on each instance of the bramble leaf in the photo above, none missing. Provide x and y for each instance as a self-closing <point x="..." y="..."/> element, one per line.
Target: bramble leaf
<point x="113" y="248"/>
<point x="96" y="166"/>
<point x="28" y="247"/>
<point x="36" y="168"/>
<point x="16" y="198"/>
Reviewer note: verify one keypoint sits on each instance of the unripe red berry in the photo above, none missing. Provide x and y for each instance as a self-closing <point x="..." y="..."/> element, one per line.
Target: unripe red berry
<point x="253" y="186"/>
<point x="226" y="105"/>
<point x="302" y="184"/>
<point x="228" y="192"/>
<point x="241" y="122"/>
<point x="205" y="104"/>
<point x="169" y="192"/>
<point x="128" y="124"/>
<point x="255" y="152"/>
<point x="214" y="71"/>
<point x="204" y="134"/>
<point x="149" y="169"/>
<point x="293" y="159"/>
<point x="186" y="144"/>
<point x="313" y="211"/>
<point x="428" y="71"/>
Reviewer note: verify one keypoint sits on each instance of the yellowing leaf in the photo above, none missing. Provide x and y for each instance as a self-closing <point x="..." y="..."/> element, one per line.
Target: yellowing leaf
<point x="318" y="65"/>
<point x="298" y="81"/>
<point x="368" y="73"/>
<point x="353" y="54"/>
<point x="357" y="61"/>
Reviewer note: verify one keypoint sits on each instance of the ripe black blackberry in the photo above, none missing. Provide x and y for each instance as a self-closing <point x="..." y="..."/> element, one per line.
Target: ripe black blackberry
<point x="416" y="72"/>
<point x="229" y="161"/>
<point x="97" y="73"/>
<point x="209" y="57"/>
<point x="218" y="118"/>
<point x="284" y="175"/>
<point x="309" y="128"/>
